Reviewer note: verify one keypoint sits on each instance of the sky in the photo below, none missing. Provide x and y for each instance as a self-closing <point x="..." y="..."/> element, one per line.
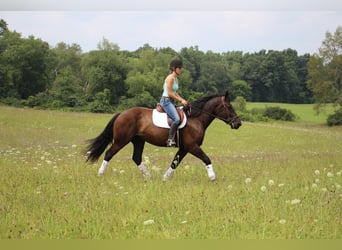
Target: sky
<point x="215" y="25"/>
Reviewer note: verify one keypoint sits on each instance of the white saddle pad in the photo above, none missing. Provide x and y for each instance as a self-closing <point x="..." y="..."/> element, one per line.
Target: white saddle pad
<point x="160" y="120"/>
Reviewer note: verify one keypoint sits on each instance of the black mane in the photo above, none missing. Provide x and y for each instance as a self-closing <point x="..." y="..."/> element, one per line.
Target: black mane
<point x="196" y="106"/>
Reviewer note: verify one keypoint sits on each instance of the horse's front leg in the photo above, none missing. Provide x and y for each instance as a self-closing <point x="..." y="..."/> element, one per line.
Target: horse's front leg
<point x="198" y="152"/>
<point x="175" y="162"/>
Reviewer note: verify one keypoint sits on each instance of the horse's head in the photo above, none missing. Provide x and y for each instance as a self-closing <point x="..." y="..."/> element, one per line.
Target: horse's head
<point x="226" y="112"/>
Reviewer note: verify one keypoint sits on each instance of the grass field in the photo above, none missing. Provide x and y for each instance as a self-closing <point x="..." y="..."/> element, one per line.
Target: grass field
<point x="274" y="181"/>
<point x="305" y="113"/>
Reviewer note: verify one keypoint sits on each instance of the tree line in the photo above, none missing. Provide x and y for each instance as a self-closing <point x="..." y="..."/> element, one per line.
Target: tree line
<point x="32" y="73"/>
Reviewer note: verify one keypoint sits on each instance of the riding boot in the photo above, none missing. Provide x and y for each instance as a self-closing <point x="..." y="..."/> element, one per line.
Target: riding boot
<point x="171" y="141"/>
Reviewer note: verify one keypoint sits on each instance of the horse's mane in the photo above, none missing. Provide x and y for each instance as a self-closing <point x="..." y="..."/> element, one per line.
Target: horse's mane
<point x="195" y="107"/>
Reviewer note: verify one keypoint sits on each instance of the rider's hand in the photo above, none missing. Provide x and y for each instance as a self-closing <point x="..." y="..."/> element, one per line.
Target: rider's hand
<point x="184" y="102"/>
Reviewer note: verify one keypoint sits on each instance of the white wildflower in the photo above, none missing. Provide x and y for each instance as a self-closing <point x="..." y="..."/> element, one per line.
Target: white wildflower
<point x="337" y="186"/>
<point x="184" y="222"/>
<point x="317" y="172"/>
<point x="230" y="187"/>
<point x="148" y="222"/>
<point x="282" y="221"/>
<point x="270" y="182"/>
<point x="330" y="175"/>
<point x="295" y="201"/>
<point x="263" y="188"/>
<point x="324" y="189"/>
<point x="314" y="185"/>
<point x="281" y="185"/>
<point x="248" y="180"/>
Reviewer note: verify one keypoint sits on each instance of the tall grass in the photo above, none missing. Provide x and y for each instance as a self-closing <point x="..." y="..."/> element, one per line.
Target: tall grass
<point x="274" y="180"/>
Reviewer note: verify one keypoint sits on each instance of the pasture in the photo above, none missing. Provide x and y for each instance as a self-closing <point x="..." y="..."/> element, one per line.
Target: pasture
<point x="274" y="181"/>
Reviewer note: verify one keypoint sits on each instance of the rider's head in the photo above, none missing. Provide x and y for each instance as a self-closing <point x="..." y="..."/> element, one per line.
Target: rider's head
<point x="176" y="63"/>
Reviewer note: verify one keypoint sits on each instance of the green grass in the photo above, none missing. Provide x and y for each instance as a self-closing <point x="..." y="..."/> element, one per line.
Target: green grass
<point x="274" y="180"/>
<point x="304" y="112"/>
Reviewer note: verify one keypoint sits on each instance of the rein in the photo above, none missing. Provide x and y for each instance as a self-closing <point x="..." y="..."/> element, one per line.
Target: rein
<point x="229" y="121"/>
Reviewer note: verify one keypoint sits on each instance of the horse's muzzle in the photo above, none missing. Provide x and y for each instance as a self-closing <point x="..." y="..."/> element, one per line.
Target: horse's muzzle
<point x="235" y="123"/>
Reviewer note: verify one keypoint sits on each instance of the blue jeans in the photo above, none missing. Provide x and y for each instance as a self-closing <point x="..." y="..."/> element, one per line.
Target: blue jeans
<point x="169" y="107"/>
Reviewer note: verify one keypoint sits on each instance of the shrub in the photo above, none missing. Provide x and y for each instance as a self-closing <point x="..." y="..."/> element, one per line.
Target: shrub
<point x="240" y="104"/>
<point x="278" y="113"/>
<point x="253" y="115"/>
<point x="335" y="119"/>
<point x="11" y="101"/>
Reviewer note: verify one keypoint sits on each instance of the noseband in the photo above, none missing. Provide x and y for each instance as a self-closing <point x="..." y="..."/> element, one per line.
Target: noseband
<point x="226" y="106"/>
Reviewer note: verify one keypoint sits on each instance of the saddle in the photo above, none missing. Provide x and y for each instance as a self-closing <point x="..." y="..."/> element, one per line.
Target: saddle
<point x="161" y="119"/>
<point x="180" y="112"/>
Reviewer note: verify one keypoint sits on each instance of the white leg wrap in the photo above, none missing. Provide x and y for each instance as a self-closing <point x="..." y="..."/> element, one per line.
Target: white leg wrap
<point x="144" y="170"/>
<point x="103" y="167"/>
<point x="168" y="174"/>
<point x="211" y="173"/>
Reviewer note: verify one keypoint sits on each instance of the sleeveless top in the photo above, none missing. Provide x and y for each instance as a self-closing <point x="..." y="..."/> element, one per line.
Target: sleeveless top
<point x="174" y="88"/>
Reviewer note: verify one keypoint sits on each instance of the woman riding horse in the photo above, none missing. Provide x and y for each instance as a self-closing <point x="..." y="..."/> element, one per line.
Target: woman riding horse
<point x="170" y="94"/>
<point x="135" y="125"/>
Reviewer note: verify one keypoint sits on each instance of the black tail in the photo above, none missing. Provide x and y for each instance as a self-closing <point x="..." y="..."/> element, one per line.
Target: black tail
<point x="98" y="144"/>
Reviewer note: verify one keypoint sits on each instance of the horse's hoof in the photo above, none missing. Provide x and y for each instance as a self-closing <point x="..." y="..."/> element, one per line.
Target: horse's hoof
<point x="212" y="178"/>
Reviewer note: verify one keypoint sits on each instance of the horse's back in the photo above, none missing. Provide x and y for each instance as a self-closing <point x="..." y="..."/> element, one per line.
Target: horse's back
<point x="134" y="117"/>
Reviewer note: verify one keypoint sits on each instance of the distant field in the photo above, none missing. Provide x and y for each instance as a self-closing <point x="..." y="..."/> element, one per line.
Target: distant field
<point x="278" y="180"/>
<point x="305" y="112"/>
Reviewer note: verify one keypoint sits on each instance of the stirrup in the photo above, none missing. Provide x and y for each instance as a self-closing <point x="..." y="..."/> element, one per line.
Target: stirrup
<point x="170" y="143"/>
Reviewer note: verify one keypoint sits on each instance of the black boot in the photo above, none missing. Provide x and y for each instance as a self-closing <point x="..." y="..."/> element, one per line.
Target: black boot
<point x="171" y="141"/>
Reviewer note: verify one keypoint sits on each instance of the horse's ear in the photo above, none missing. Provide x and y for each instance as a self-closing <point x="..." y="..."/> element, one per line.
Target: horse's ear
<point x="227" y="96"/>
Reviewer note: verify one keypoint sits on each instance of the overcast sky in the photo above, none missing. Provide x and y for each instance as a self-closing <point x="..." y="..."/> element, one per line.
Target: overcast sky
<point x="211" y="25"/>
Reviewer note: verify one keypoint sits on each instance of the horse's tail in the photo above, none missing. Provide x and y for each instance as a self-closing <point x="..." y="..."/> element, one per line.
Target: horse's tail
<point x="98" y="144"/>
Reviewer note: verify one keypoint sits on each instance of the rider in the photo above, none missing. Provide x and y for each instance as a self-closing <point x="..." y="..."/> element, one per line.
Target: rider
<point x="169" y="96"/>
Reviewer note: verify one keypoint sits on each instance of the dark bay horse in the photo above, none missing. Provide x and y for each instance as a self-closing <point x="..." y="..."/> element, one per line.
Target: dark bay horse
<point x="135" y="125"/>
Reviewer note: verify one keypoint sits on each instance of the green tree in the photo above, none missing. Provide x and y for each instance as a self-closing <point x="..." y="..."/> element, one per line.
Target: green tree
<point x="241" y="88"/>
<point x="325" y="70"/>
<point x="104" y="69"/>
<point x="251" y="72"/>
<point x="67" y="88"/>
<point x="25" y="65"/>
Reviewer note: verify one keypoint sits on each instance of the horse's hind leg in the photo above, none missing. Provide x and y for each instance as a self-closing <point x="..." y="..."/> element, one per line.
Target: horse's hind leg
<point x="108" y="156"/>
<point x="138" y="149"/>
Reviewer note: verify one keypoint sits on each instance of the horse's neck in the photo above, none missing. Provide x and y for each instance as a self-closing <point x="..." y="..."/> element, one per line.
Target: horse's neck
<point x="209" y="113"/>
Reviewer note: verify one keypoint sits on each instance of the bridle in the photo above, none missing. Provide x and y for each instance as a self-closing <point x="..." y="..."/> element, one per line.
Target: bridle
<point x="225" y="105"/>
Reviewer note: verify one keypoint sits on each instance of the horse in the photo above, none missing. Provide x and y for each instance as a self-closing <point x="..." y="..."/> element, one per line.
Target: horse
<point x="135" y="125"/>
